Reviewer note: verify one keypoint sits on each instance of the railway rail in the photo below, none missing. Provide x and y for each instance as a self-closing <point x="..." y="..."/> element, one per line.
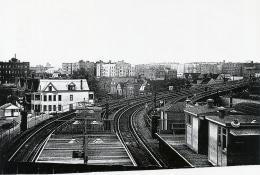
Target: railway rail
<point x="139" y="151"/>
<point x="30" y="148"/>
<point x="140" y="154"/>
<point x="138" y="148"/>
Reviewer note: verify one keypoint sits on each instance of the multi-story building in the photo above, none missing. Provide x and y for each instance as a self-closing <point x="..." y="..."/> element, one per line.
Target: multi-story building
<point x="109" y="70"/>
<point x="75" y="66"/>
<point x="122" y="69"/>
<point x="55" y="95"/>
<point x="90" y="68"/>
<point x="132" y="71"/>
<point x="118" y="69"/>
<point x="99" y="68"/>
<point x="67" y="68"/>
<point x="232" y="69"/>
<point x="40" y="69"/>
<point x="9" y="71"/>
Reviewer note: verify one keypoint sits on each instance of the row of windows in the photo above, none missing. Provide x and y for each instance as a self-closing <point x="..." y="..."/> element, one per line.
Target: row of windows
<point x="13" y="72"/>
<point x="51" y="108"/>
<point x="50" y="98"/>
<point x="53" y="97"/>
<point x="13" y="66"/>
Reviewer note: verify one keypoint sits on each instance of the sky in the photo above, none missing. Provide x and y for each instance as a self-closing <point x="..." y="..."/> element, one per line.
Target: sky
<point x="136" y="31"/>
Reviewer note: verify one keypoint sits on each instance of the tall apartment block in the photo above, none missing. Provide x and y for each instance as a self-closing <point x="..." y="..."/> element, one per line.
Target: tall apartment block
<point x="12" y="69"/>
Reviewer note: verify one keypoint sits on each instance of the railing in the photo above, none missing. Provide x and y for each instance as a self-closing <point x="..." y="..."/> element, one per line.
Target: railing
<point x="16" y="129"/>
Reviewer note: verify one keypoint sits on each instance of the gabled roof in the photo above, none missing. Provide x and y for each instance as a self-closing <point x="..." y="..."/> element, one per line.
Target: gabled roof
<point x="123" y="79"/>
<point x="211" y="81"/>
<point x="50" y="84"/>
<point x="9" y="106"/>
<point x="61" y="85"/>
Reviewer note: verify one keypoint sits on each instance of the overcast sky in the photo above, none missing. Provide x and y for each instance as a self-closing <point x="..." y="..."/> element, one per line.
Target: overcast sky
<point x="137" y="31"/>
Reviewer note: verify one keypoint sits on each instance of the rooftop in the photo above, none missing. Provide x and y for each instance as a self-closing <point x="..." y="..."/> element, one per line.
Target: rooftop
<point x="198" y="110"/>
<point x="242" y="119"/>
<point x="62" y="84"/>
<point x="177" y="107"/>
<point x="9" y="106"/>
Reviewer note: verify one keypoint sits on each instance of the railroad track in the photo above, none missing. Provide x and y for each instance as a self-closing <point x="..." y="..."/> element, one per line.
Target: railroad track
<point x="137" y="150"/>
<point x="30" y="148"/>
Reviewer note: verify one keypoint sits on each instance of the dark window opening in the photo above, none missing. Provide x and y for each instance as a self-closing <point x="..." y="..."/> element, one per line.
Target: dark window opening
<point x="71" y="87"/>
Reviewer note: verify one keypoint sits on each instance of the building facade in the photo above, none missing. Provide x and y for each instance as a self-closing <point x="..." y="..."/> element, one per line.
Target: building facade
<point x="60" y="95"/>
<point x="123" y="69"/>
<point x="9" y="71"/>
<point x="9" y="111"/>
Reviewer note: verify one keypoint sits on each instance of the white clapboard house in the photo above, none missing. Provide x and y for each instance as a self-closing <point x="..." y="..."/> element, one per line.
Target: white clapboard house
<point x="9" y="111"/>
<point x="60" y="95"/>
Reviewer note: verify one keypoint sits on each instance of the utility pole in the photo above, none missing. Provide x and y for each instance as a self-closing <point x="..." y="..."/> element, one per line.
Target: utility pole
<point x="85" y="138"/>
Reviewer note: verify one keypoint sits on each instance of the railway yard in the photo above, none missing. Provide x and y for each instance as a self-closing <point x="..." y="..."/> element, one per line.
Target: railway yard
<point x="65" y="143"/>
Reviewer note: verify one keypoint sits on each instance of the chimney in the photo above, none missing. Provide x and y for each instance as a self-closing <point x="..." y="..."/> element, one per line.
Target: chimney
<point x="81" y="87"/>
<point x="188" y="101"/>
<point x="210" y="103"/>
<point x="221" y="112"/>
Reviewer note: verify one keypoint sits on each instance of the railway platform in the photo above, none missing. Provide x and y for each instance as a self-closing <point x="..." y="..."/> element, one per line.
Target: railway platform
<point x="177" y="147"/>
<point x="102" y="149"/>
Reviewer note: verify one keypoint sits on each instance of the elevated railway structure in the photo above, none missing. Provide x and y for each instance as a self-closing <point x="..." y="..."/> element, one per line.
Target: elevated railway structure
<point x="139" y="150"/>
<point x="28" y="147"/>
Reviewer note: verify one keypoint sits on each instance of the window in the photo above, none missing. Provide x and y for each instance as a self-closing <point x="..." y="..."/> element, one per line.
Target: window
<point x="50" y="88"/>
<point x="71" y="87"/>
<point x="189" y="118"/>
<point x="59" y="97"/>
<point x="45" y="97"/>
<point x="37" y="97"/>
<point x="71" y="97"/>
<point x="54" y="97"/>
<point x="50" y="97"/>
<point x="50" y="108"/>
<point x="44" y="108"/>
<point x="91" y="96"/>
<point x="222" y="138"/>
<point x="54" y="107"/>
<point x="59" y="107"/>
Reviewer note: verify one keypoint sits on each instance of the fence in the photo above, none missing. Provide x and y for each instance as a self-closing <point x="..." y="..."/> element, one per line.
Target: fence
<point x="36" y="118"/>
<point x="32" y="121"/>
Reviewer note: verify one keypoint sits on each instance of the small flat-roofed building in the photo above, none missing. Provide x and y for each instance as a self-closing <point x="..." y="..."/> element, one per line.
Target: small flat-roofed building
<point x="196" y="135"/>
<point x="9" y="111"/>
<point x="233" y="139"/>
<point x="172" y="118"/>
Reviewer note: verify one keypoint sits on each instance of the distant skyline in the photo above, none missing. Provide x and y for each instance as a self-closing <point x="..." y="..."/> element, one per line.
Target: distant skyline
<point x="138" y="32"/>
